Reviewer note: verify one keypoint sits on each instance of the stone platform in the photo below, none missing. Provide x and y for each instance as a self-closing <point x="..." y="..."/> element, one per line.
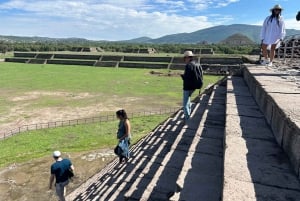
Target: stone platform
<point x="242" y="143"/>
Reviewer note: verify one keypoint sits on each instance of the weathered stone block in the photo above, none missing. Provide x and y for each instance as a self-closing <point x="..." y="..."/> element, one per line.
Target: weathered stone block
<point x="277" y="124"/>
<point x="291" y="144"/>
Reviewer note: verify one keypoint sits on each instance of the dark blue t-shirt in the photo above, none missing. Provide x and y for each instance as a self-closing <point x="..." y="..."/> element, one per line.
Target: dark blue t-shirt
<point x="60" y="170"/>
<point x="121" y="130"/>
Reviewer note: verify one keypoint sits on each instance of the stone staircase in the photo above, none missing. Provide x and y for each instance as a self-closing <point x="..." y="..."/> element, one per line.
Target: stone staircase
<point x="227" y="151"/>
<point x="255" y="167"/>
<point x="175" y="161"/>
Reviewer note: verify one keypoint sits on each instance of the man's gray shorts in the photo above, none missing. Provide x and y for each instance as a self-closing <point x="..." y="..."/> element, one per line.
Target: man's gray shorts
<point x="61" y="190"/>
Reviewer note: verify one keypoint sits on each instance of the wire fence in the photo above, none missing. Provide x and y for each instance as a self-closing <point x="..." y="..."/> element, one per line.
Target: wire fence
<point x="73" y="122"/>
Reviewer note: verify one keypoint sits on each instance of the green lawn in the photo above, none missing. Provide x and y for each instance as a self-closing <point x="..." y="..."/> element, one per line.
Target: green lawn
<point x="111" y="86"/>
<point x="35" y="144"/>
<point x="132" y="89"/>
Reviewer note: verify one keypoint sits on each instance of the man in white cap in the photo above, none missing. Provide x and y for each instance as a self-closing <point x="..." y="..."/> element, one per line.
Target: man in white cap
<point x="272" y="33"/>
<point x="191" y="74"/>
<point x="60" y="171"/>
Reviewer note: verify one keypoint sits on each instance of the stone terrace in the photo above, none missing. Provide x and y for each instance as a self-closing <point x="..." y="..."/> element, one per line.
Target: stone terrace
<point x="210" y="63"/>
<point x="241" y="143"/>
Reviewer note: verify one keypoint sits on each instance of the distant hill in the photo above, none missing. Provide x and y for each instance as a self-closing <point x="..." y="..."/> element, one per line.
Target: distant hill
<point x="210" y="35"/>
<point x="29" y="39"/>
<point x="237" y="39"/>
<point x="138" y="40"/>
<point x="217" y="34"/>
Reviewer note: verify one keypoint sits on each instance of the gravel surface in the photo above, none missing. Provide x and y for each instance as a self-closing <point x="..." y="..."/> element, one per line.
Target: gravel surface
<point x="290" y="67"/>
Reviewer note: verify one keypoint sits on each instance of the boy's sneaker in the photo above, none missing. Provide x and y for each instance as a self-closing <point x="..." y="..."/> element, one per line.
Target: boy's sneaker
<point x="270" y="64"/>
<point x="264" y="62"/>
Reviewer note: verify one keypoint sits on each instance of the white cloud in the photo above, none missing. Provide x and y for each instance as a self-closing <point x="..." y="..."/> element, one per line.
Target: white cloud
<point x="204" y="4"/>
<point x="226" y="3"/>
<point x="112" y="20"/>
<point x="107" y="19"/>
<point x="292" y="24"/>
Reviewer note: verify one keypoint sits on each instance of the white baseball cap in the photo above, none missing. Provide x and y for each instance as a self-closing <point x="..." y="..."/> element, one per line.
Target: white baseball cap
<point x="56" y="154"/>
<point x="188" y="54"/>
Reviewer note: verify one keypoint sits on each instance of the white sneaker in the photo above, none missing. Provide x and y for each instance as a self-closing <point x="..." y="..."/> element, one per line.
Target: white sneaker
<point x="270" y="64"/>
<point x="264" y="62"/>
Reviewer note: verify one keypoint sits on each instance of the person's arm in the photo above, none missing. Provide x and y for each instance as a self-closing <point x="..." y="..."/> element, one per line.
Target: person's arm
<point x="51" y="180"/>
<point x="128" y="127"/>
<point x="263" y="30"/>
<point x="283" y="32"/>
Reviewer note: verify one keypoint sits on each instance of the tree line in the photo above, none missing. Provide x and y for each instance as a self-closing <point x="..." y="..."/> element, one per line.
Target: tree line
<point x="121" y="47"/>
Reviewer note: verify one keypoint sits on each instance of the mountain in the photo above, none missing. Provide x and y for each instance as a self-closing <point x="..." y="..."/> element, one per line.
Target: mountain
<point x="33" y="39"/>
<point x="217" y="34"/>
<point x="138" y="40"/>
<point x="210" y="35"/>
<point x="237" y="39"/>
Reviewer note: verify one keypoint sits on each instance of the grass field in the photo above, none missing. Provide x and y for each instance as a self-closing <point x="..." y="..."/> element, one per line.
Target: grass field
<point x="35" y="93"/>
<point x="40" y="143"/>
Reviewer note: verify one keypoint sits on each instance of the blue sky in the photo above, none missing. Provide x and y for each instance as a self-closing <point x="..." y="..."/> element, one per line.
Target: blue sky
<point x="127" y="19"/>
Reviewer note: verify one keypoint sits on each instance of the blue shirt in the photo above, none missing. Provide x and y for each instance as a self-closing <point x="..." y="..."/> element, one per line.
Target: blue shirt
<point x="60" y="170"/>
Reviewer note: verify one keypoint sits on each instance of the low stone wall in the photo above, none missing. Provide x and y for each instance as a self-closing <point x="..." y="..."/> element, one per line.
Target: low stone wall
<point x="221" y="60"/>
<point x="17" y="60"/>
<point x="106" y="64"/>
<point x="44" y="56"/>
<point x="213" y="64"/>
<point x="148" y="59"/>
<point x="71" y="62"/>
<point x="37" y="61"/>
<point x="142" y="65"/>
<point x="77" y="56"/>
<point x="111" y="58"/>
<point x="279" y="100"/>
<point x="25" y="54"/>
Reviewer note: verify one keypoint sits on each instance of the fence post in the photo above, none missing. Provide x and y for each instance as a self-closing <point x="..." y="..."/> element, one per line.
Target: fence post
<point x="293" y="47"/>
<point x="284" y="51"/>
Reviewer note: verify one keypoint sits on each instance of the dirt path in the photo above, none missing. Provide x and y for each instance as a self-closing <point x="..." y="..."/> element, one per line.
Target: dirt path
<point x="30" y="180"/>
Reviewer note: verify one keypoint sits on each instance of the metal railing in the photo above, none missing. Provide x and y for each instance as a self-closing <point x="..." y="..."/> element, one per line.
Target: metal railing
<point x="290" y="47"/>
<point x="73" y="122"/>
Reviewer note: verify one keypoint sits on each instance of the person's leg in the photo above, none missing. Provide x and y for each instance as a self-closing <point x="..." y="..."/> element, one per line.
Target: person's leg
<point x="190" y="104"/>
<point x="186" y="104"/>
<point x="120" y="159"/>
<point x="265" y="52"/>
<point x="60" y="191"/>
<point x="272" y="52"/>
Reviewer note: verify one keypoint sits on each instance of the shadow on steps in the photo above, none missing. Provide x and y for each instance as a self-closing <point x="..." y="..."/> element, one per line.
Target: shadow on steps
<point x="174" y="162"/>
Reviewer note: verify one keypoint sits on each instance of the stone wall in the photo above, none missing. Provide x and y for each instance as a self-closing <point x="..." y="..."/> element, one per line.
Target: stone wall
<point x="280" y="103"/>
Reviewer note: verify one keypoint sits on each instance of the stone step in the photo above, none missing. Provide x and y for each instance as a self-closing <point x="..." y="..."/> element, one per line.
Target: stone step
<point x="195" y="156"/>
<point x="110" y="183"/>
<point x="149" y="155"/>
<point x="255" y="167"/>
<point x="201" y="177"/>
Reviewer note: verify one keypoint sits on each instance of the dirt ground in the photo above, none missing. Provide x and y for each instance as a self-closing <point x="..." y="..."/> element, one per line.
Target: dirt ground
<point x="30" y="181"/>
<point x="23" y="112"/>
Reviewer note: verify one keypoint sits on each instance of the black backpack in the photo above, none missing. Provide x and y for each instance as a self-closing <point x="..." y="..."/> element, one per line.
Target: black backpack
<point x="198" y="76"/>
